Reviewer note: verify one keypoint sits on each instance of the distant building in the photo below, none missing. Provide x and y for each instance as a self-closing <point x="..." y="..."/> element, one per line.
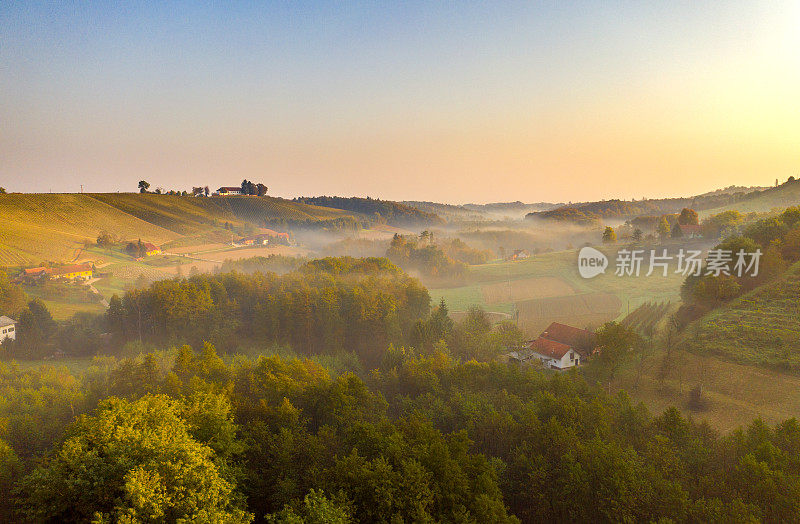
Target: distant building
<point x="231" y="190"/>
<point x="263" y="239"/>
<point x="151" y="249"/>
<point x="519" y="254"/>
<point x="71" y="272"/>
<point x="8" y="328"/>
<point x="691" y="230"/>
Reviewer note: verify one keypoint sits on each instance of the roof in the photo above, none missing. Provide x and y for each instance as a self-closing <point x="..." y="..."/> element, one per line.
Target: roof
<point x="550" y="348"/>
<point x="74" y="268"/>
<point x="569" y="335"/>
<point x="35" y="270"/>
<point x="230" y="189"/>
<point x="150" y="247"/>
<point x="7" y="321"/>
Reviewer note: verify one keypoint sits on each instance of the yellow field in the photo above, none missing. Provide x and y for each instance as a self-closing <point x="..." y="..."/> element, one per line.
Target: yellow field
<point x="525" y="289"/>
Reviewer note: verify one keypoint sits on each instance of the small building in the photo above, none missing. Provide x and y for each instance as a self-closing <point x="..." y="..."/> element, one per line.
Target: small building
<point x="582" y="340"/>
<point x="8" y="328"/>
<point x="151" y="249"/>
<point x="263" y="239"/>
<point x="71" y="272"/>
<point x="229" y="190"/>
<point x="555" y="354"/>
<point x="691" y="230"/>
<point x="519" y="254"/>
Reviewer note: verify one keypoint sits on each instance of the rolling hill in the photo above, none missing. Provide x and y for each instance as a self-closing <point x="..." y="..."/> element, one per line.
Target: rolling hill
<point x="54" y="227"/>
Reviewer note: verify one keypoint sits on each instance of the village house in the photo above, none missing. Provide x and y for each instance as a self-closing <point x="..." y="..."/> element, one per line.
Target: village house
<point x="519" y="254"/>
<point x="8" y="328"/>
<point x="71" y="272"/>
<point x="151" y="249"/>
<point x="559" y="347"/>
<point x="231" y="190"/>
<point x="263" y="239"/>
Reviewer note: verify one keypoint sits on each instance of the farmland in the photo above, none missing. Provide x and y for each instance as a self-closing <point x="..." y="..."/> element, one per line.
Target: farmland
<point x="55" y="227"/>
<point x="547" y="288"/>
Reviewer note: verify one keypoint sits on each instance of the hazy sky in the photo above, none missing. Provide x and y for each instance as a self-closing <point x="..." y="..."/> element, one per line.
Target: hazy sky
<point x="456" y="102"/>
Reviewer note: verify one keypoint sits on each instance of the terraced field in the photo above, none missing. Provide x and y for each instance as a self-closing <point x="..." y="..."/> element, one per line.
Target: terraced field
<point x="761" y="327"/>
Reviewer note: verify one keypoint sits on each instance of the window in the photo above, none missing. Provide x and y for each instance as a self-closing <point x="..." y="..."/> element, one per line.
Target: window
<point x="11" y="329"/>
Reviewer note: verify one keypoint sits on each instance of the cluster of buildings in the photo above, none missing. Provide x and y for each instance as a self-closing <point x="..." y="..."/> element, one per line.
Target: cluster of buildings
<point x="263" y="239"/>
<point x="558" y="347"/>
<point x="519" y="254"/>
<point x="72" y="272"/>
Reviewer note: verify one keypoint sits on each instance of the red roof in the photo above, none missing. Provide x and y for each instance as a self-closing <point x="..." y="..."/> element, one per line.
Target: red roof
<point x="568" y="334"/>
<point x="550" y="348"/>
<point x="150" y="247"/>
<point x="35" y="270"/>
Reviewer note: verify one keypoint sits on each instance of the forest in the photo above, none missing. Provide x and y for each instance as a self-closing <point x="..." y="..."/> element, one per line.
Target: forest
<point x="185" y="435"/>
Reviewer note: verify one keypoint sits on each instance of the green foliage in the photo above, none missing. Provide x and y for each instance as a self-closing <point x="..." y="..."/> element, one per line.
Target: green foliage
<point x="12" y="297"/>
<point x="131" y="462"/>
<point x="391" y="212"/>
<point x="688" y="217"/>
<point x="426" y="258"/>
<point x="609" y="235"/>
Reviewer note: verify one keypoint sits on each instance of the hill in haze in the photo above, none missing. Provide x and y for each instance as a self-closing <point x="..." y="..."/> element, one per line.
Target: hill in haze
<point x="394" y="213"/>
<point x="54" y="227"/>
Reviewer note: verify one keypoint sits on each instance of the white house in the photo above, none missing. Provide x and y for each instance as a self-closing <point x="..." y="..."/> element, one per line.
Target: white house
<point x="229" y="190"/>
<point x="555" y="354"/>
<point x="8" y="328"/>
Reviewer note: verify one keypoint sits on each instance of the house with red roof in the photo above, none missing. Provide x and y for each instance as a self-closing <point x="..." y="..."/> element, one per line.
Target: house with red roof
<point x="691" y="230"/>
<point x="561" y="346"/>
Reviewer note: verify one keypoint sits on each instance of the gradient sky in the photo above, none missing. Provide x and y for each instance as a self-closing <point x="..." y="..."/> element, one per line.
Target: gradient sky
<point x="456" y="102"/>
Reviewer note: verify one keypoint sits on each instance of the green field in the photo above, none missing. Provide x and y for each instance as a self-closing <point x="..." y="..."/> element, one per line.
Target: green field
<point x="591" y="302"/>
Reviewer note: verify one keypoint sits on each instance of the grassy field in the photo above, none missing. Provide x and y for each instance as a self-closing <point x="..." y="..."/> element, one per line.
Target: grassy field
<point x="735" y="394"/>
<point x="785" y="195"/>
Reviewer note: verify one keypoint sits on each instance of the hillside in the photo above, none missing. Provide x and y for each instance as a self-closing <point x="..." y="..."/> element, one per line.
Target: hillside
<point x="394" y="213"/>
<point x="54" y="227"/>
<point x="449" y="212"/>
<point x="761" y="327"/>
<point x="785" y="195"/>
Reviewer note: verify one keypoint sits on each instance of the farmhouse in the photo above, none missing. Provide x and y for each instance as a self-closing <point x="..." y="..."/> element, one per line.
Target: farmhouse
<point x="554" y="354"/>
<point x="582" y="340"/>
<point x="267" y="237"/>
<point x="72" y="272"/>
<point x="8" y="328"/>
<point x="151" y="249"/>
<point x="519" y="254"/>
<point x="230" y="190"/>
<point x="558" y="347"/>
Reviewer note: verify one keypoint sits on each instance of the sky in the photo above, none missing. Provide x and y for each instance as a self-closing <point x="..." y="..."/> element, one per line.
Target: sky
<point x="447" y="101"/>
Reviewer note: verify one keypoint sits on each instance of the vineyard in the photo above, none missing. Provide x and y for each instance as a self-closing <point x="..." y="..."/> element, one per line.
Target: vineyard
<point x="648" y="318"/>
<point x="761" y="327"/>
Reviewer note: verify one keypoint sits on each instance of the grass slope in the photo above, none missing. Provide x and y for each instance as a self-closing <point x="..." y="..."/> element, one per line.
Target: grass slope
<point x="785" y="195"/>
<point x="54" y="227"/>
<point x="761" y="327"/>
